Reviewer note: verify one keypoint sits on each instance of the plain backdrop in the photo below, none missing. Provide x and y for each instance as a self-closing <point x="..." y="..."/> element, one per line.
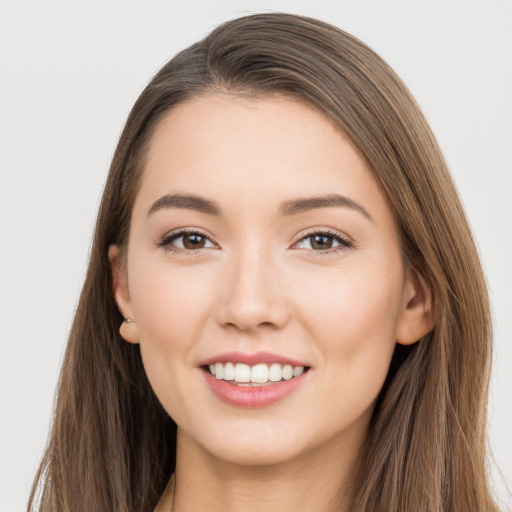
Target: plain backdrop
<point x="70" y="72"/>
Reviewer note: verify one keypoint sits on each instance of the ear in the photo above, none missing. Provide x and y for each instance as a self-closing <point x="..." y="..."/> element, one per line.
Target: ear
<point x="416" y="315"/>
<point x="128" y="329"/>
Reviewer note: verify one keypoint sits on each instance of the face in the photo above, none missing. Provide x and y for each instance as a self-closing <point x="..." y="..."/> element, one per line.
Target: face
<point x="262" y="248"/>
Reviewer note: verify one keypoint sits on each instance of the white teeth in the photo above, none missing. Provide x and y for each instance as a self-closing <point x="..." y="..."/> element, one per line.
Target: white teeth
<point x="229" y="371"/>
<point x="276" y="372"/>
<point x="287" y="372"/>
<point x="257" y="374"/>
<point x="242" y="372"/>
<point x="219" y="371"/>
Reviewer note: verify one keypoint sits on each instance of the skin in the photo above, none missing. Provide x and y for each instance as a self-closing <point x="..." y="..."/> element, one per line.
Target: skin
<point x="260" y="283"/>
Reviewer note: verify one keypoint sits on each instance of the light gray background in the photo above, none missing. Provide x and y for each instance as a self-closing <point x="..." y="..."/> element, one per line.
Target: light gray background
<point x="69" y="73"/>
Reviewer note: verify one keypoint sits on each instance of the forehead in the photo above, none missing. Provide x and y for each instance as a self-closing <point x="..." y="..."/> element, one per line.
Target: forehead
<point x="254" y="151"/>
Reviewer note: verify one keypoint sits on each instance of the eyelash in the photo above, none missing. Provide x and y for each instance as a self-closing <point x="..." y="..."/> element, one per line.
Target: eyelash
<point x="166" y="242"/>
<point x="171" y="237"/>
<point x="344" y="242"/>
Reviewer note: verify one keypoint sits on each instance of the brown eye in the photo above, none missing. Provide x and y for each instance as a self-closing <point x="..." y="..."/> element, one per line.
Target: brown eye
<point x="193" y="241"/>
<point x="321" y="242"/>
<point x="186" y="241"/>
<point x="324" y="241"/>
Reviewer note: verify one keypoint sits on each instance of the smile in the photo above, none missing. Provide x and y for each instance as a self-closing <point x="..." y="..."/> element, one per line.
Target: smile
<point x="257" y="375"/>
<point x="253" y="380"/>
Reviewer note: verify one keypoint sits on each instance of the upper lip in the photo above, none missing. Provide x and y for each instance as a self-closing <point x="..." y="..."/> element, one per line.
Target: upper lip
<point x="251" y="359"/>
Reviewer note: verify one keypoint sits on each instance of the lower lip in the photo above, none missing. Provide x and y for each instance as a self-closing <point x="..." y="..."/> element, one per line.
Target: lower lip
<point x="252" y="396"/>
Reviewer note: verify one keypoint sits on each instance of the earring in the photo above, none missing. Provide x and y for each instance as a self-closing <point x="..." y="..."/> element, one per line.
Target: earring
<point x="129" y="330"/>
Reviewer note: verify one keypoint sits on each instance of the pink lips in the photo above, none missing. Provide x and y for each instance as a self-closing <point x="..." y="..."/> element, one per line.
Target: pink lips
<point x="252" y="396"/>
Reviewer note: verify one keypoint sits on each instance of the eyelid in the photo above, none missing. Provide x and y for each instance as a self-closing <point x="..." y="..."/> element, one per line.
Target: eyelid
<point x="166" y="241"/>
<point x="345" y="241"/>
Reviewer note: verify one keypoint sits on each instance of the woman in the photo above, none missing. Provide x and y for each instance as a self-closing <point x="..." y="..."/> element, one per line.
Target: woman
<point x="284" y="307"/>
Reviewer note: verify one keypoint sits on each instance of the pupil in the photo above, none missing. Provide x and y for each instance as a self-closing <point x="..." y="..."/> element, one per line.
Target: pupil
<point x="321" y="242"/>
<point x="193" y="241"/>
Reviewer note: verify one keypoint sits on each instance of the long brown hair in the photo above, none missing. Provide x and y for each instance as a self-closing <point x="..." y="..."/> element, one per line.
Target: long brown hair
<point x="112" y="446"/>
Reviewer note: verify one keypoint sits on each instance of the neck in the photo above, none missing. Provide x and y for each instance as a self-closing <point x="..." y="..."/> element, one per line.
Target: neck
<point x="319" y="480"/>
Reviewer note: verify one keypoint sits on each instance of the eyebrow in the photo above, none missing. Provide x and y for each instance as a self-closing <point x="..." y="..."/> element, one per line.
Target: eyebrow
<point x="288" y="208"/>
<point x="301" y="205"/>
<point x="187" y="202"/>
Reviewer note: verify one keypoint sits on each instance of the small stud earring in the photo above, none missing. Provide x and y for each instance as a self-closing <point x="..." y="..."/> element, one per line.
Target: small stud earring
<point x="129" y="331"/>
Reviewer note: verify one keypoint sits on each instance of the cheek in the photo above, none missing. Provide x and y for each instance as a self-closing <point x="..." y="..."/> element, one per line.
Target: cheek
<point x="170" y="307"/>
<point x="352" y="303"/>
<point x="352" y="322"/>
<point x="169" y="304"/>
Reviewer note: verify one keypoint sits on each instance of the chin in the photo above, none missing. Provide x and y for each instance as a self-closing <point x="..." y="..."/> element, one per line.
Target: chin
<point x="259" y="444"/>
<point x="242" y="454"/>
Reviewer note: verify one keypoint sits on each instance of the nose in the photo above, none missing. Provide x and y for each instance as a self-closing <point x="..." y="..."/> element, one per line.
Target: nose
<point x="251" y="293"/>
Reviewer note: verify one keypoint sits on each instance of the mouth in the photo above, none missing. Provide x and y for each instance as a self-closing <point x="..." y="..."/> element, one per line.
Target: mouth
<point x="258" y="375"/>
<point x="253" y="380"/>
